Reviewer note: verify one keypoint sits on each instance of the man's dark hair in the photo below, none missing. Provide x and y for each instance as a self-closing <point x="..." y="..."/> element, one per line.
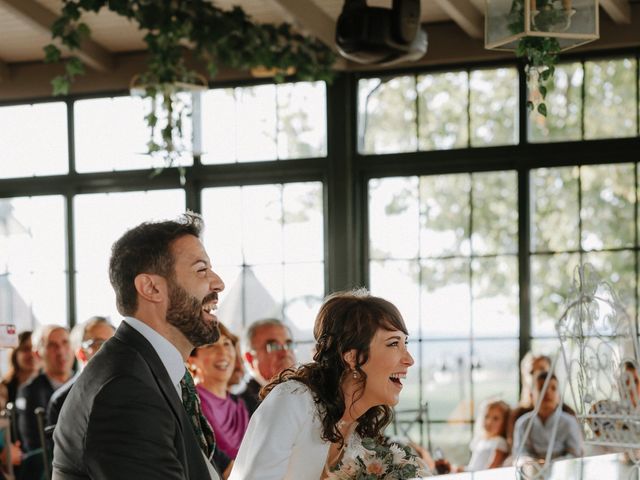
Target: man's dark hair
<point x="145" y="249"/>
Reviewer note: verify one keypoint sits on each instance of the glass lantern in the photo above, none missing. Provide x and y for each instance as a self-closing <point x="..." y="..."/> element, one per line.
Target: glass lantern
<point x="571" y="22"/>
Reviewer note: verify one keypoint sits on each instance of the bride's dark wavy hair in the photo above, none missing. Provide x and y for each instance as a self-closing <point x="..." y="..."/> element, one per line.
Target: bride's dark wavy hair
<point x="346" y="321"/>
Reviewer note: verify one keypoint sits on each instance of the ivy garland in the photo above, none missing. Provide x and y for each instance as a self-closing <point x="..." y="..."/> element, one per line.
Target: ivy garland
<point x="540" y="53"/>
<point x="176" y="29"/>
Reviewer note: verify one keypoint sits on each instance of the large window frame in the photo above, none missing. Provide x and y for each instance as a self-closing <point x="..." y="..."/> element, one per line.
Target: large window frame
<point x="345" y="174"/>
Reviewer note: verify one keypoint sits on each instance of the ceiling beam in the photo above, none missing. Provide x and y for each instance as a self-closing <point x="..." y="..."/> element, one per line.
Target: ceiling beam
<point x="313" y="19"/>
<point x="618" y="10"/>
<point x="92" y="54"/>
<point x="4" y="71"/>
<point x="480" y="5"/>
<point x="465" y="15"/>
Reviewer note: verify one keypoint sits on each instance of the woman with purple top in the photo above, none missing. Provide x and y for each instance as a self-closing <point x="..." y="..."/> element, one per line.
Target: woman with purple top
<point x="213" y="366"/>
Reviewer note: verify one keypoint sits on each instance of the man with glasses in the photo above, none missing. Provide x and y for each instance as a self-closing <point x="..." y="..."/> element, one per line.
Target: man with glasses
<point x="268" y="350"/>
<point x="86" y="339"/>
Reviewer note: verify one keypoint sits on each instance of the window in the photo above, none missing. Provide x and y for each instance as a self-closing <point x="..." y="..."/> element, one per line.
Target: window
<point x="438" y="111"/>
<point x="111" y="134"/>
<point x="100" y="220"/>
<point x="20" y="154"/>
<point x="266" y="242"/>
<point x="444" y="250"/>
<point x="266" y="122"/>
<point x="589" y="101"/>
<point x="33" y="286"/>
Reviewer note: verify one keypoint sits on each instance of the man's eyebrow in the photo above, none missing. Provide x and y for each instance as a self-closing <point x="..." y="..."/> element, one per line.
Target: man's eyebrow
<point x="200" y="260"/>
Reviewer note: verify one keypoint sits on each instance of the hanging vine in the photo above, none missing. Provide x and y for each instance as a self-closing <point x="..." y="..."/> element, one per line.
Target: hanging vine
<point x="175" y="30"/>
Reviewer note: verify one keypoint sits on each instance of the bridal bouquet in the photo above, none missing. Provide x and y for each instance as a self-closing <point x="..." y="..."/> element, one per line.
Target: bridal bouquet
<point x="373" y="461"/>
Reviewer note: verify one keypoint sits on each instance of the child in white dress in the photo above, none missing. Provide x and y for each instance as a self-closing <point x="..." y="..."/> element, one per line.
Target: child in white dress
<point x="489" y="449"/>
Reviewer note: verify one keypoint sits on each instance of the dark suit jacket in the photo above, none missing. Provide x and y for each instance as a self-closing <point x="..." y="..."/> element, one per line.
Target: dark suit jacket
<point x="250" y="395"/>
<point x="123" y="419"/>
<point x="57" y="400"/>
<point x="35" y="393"/>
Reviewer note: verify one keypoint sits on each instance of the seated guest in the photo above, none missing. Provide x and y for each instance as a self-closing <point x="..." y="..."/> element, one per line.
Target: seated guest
<point x="23" y="366"/>
<point x="568" y="437"/>
<point x="51" y="345"/>
<point x="530" y="366"/>
<point x="269" y="350"/>
<point x="489" y="448"/>
<point x="213" y="366"/>
<point x="86" y="339"/>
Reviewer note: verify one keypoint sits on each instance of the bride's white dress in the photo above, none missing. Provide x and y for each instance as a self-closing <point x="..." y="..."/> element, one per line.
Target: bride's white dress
<point x="283" y="439"/>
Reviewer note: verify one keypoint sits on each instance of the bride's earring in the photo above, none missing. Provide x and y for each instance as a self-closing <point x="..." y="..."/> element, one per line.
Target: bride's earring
<point x="355" y="374"/>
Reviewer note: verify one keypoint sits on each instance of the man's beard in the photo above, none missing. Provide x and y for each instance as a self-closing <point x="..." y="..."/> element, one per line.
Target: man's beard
<point x="185" y="313"/>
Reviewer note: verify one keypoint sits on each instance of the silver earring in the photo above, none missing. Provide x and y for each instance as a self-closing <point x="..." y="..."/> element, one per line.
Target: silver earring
<point x="355" y="373"/>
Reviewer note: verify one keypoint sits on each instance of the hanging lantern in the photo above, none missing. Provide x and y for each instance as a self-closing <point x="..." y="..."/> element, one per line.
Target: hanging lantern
<point x="571" y="22"/>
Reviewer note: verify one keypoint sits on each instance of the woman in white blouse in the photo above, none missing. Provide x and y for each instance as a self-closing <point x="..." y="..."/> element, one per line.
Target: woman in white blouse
<point x="314" y="416"/>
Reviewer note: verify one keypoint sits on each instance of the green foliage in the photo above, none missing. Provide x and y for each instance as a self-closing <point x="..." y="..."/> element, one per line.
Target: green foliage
<point x="175" y="28"/>
<point x="540" y="53"/>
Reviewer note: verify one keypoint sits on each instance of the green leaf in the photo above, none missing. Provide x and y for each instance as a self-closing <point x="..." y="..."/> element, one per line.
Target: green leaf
<point x="543" y="91"/>
<point x="51" y="53"/>
<point x="542" y="109"/>
<point x="74" y="67"/>
<point x="60" y="85"/>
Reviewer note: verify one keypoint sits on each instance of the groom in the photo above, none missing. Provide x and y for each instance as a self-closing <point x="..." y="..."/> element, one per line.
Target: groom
<point x="133" y="412"/>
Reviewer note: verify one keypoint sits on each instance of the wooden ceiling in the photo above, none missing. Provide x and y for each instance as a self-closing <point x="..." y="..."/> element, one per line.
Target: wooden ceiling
<point x="455" y="29"/>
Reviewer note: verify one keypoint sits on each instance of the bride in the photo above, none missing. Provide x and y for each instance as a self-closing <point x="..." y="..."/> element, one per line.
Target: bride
<point x="315" y="416"/>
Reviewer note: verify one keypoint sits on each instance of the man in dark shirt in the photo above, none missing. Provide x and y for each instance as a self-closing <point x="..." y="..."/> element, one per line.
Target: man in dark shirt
<point x="86" y="339"/>
<point x="51" y="345"/>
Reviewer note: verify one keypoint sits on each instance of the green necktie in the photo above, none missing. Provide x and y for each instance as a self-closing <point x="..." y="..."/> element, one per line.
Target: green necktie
<point x="200" y="424"/>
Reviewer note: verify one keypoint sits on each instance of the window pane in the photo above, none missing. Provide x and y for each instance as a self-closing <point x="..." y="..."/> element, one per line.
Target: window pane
<point x="445" y="370"/>
<point x="453" y="439"/>
<point x="445" y="212"/>
<point x="551" y="277"/>
<point x="495" y="213"/>
<point x="303" y="294"/>
<point x="303" y="237"/>
<point x="446" y="298"/>
<point x="302" y="120"/>
<point x="564" y="104"/>
<point x="239" y="125"/>
<point x="608" y="206"/>
<point x="33" y="286"/>
<point x="100" y="220"/>
<point x="33" y="140"/>
<point x="387" y="115"/>
<point x="225" y="244"/>
<point x="495" y="297"/>
<point x="443" y="102"/>
<point x="495" y="371"/>
<point x="262" y="212"/>
<point x="393" y="217"/>
<point x="554" y="200"/>
<point x="398" y="282"/>
<point x="618" y="269"/>
<point x="494" y="107"/>
<point x="271" y="247"/>
<point x="610" y="88"/>
<point x="112" y="134"/>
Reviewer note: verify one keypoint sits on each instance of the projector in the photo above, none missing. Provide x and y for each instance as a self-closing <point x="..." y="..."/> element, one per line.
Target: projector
<point x="381" y="36"/>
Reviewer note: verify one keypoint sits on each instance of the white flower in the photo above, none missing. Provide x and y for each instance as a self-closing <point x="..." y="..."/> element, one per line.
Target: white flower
<point x="398" y="454"/>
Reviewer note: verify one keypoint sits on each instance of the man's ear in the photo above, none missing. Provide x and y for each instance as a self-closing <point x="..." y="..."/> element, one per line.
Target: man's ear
<point x="150" y="287"/>
<point x="248" y="356"/>
<point x="81" y="355"/>
<point x="350" y="358"/>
